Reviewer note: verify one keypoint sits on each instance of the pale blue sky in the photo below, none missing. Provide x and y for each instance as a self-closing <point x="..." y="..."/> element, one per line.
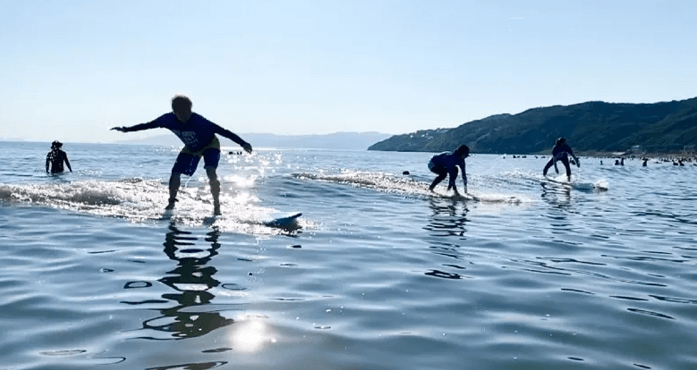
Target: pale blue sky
<point x="69" y="70"/>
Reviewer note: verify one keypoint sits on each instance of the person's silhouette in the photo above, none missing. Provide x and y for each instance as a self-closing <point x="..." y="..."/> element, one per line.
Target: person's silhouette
<point x="561" y="152"/>
<point x="198" y="136"/>
<point x="446" y="163"/>
<point x="56" y="157"/>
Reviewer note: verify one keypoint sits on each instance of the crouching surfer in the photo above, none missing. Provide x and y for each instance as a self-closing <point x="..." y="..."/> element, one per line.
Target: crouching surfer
<point x="445" y="164"/>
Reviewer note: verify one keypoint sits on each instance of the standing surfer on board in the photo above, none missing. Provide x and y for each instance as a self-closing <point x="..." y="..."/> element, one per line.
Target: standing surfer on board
<point x="561" y="152"/>
<point x="445" y="164"/>
<point x="198" y="136"/>
<point x="56" y="157"/>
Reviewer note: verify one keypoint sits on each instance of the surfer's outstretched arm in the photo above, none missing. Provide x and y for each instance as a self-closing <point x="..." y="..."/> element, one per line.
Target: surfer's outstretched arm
<point x="67" y="163"/>
<point x="567" y="149"/>
<point x="232" y="136"/>
<point x="578" y="163"/>
<point x="138" y="127"/>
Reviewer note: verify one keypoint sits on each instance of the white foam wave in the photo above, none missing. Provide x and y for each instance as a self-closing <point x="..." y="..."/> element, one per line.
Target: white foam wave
<point x="141" y="200"/>
<point x="405" y="186"/>
<point x="577" y="182"/>
<point x="374" y="180"/>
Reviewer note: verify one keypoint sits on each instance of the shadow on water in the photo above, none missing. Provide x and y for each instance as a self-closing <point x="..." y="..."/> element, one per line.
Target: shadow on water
<point x="192" y="281"/>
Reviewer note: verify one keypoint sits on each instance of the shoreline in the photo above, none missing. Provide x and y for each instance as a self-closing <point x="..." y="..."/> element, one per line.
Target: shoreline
<point x="689" y="157"/>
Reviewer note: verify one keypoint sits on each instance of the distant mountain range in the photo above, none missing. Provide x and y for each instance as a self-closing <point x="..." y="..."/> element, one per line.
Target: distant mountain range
<point x="588" y="127"/>
<point x="340" y="140"/>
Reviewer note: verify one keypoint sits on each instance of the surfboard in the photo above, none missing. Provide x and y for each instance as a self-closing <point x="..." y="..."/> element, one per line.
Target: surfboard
<point x="466" y="196"/>
<point x="285" y="222"/>
<point x="461" y="196"/>
<point x="549" y="179"/>
<point x="582" y="186"/>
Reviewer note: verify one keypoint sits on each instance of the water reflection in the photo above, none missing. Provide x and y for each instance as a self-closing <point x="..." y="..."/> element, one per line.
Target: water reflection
<point x="191" y="366"/>
<point x="192" y="281"/>
<point x="556" y="195"/>
<point x="448" y="218"/>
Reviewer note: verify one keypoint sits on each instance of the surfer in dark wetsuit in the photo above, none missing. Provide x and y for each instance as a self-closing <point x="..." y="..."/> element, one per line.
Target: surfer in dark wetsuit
<point x="198" y="136"/>
<point x="56" y="157"/>
<point x="560" y="152"/>
<point x="445" y="164"/>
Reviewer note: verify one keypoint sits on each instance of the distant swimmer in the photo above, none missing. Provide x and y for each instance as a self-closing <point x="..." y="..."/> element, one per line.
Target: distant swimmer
<point x="445" y="164"/>
<point x="56" y="157"/>
<point x="560" y="152"/>
<point x="198" y="136"/>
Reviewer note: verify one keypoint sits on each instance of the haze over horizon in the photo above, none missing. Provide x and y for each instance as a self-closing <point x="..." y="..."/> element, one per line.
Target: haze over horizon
<point x="73" y="69"/>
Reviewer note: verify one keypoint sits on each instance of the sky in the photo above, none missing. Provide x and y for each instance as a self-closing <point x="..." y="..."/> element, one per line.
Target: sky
<point x="72" y="69"/>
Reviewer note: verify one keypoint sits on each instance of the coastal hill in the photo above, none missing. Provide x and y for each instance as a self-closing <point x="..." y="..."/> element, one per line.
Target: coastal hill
<point x="588" y="127"/>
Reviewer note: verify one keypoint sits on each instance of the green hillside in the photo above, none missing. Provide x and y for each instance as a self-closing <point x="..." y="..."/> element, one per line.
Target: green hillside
<point x="591" y="126"/>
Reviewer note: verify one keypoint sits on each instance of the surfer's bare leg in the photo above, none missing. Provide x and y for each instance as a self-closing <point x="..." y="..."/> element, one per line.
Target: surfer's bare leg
<point x="174" y="183"/>
<point x="215" y="188"/>
<point x="437" y="180"/>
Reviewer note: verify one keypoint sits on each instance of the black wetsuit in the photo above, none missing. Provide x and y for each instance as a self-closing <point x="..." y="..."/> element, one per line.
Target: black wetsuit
<point x="560" y="153"/>
<point x="55" y="159"/>
<point x="445" y="164"/>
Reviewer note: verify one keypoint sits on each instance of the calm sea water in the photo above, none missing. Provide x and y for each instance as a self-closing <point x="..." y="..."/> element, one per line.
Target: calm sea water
<point x="379" y="274"/>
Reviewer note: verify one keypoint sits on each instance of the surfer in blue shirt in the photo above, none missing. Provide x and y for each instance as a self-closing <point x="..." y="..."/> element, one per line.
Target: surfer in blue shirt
<point x="561" y="152"/>
<point x="56" y="157"/>
<point x="198" y="136"/>
<point x="445" y="164"/>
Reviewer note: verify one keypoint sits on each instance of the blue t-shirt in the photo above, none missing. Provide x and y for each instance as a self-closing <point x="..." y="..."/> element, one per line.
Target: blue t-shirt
<point x="195" y="133"/>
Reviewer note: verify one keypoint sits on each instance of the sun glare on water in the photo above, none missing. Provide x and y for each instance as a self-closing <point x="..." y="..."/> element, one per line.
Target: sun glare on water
<point x="250" y="335"/>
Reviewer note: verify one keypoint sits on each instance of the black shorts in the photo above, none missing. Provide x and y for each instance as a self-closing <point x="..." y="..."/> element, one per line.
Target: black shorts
<point x="436" y="168"/>
<point x="187" y="162"/>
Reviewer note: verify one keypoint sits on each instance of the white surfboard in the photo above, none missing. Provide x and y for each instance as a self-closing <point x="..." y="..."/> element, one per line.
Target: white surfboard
<point x="461" y="196"/>
<point x="286" y="222"/>
<point x="549" y="179"/>
<point x="583" y="186"/>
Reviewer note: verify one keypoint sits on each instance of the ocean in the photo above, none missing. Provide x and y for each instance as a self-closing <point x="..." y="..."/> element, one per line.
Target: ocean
<point x="378" y="273"/>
